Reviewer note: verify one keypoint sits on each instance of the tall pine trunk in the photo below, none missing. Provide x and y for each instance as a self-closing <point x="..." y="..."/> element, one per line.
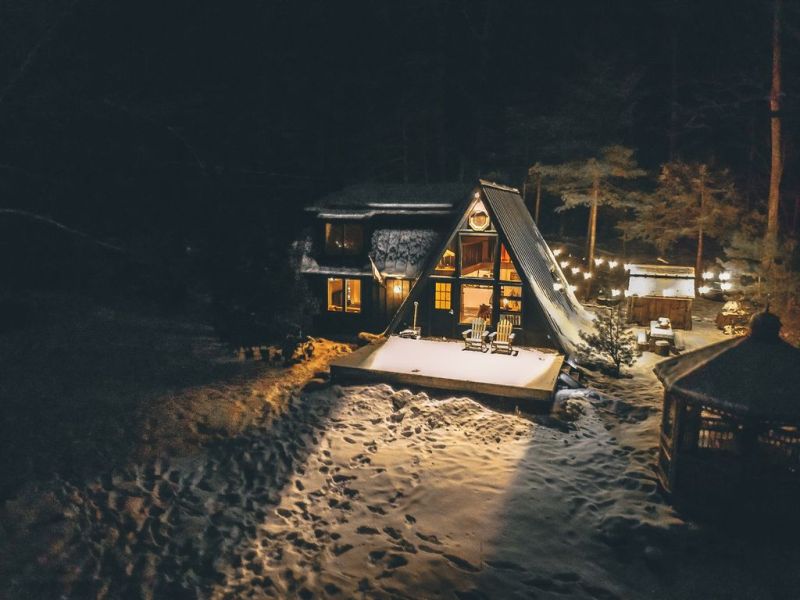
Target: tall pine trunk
<point x="776" y="168"/>
<point x="698" y="264"/>
<point x="591" y="237"/>
<point x="592" y="234"/>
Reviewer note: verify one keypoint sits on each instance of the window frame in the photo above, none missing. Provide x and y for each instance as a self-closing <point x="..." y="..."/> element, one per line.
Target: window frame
<point x="346" y="307"/>
<point x="442" y="295"/>
<point x="338" y="230"/>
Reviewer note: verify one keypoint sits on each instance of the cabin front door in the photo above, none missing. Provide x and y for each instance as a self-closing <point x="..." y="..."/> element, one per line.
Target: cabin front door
<point x="442" y="300"/>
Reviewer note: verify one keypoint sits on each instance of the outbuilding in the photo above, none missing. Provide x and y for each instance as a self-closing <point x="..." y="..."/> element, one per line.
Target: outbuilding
<point x="656" y="291"/>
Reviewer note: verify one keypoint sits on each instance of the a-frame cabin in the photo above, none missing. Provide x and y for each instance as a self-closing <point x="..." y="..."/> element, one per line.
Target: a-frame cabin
<point x="496" y="265"/>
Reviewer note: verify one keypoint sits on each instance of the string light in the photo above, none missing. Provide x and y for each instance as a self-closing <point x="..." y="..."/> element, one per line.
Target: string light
<point x="575" y="270"/>
<point x="615" y="293"/>
<point x="708" y="275"/>
<point x="557" y="287"/>
<point x="598" y="261"/>
<point x="703" y="289"/>
<point x="564" y="264"/>
<point x="587" y="275"/>
<point x="725" y="286"/>
<point x="556" y="251"/>
<point x="612" y="264"/>
<point x="627" y="266"/>
<point x="573" y="288"/>
<point x="724" y="276"/>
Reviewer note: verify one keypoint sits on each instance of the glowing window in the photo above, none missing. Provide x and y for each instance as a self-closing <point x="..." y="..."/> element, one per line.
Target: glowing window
<point x="477" y="255"/>
<point x="507" y="270"/>
<point x="511" y="304"/>
<point x="447" y="262"/>
<point x="479" y="218"/>
<point x="343" y="238"/>
<point x="442" y="296"/>
<point x="344" y="295"/>
<point x="476" y="301"/>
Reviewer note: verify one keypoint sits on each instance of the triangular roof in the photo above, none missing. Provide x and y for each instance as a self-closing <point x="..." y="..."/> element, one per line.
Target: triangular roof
<point x="747" y="376"/>
<point x="535" y="263"/>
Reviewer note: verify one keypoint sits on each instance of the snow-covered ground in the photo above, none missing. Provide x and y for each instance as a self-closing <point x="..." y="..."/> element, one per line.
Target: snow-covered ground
<point x="375" y="492"/>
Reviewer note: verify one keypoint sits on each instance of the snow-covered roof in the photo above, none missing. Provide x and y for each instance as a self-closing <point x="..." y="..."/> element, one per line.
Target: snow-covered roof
<point x="377" y="198"/>
<point x="396" y="253"/>
<point x="402" y="252"/>
<point x="661" y="271"/>
<point x="753" y="376"/>
<point x="539" y="266"/>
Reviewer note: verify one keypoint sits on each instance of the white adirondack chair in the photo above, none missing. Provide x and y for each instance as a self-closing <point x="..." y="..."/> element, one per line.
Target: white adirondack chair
<point x="502" y="340"/>
<point x="475" y="337"/>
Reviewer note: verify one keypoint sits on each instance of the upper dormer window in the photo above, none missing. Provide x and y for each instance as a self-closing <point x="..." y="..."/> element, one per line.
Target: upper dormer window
<point x="343" y="238"/>
<point x="479" y="217"/>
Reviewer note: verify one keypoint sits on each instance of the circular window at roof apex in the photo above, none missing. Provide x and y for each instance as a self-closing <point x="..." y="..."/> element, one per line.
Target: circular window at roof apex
<point x="479" y="219"/>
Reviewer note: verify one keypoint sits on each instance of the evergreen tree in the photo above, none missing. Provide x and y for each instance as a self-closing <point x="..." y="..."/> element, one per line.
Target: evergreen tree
<point x="691" y="201"/>
<point x="612" y="341"/>
<point x="777" y="283"/>
<point x="592" y="183"/>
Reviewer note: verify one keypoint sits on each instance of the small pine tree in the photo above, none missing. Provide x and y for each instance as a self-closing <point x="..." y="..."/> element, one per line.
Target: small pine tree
<point x="612" y="341"/>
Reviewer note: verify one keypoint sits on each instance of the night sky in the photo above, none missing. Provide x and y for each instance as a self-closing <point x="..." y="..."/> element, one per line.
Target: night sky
<point x="162" y="125"/>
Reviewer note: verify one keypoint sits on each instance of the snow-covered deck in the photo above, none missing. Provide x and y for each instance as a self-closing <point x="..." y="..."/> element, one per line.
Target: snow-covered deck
<point x="529" y="374"/>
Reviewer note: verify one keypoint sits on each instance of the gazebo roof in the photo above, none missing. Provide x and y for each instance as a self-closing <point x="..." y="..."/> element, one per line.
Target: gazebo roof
<point x="754" y="376"/>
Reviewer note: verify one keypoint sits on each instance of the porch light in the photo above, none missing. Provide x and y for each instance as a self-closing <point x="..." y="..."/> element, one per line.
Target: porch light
<point x="709" y="275"/>
<point x="703" y="289"/>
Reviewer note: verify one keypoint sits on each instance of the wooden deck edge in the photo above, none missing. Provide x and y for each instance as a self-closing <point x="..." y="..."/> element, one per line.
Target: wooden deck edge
<point x="340" y="372"/>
